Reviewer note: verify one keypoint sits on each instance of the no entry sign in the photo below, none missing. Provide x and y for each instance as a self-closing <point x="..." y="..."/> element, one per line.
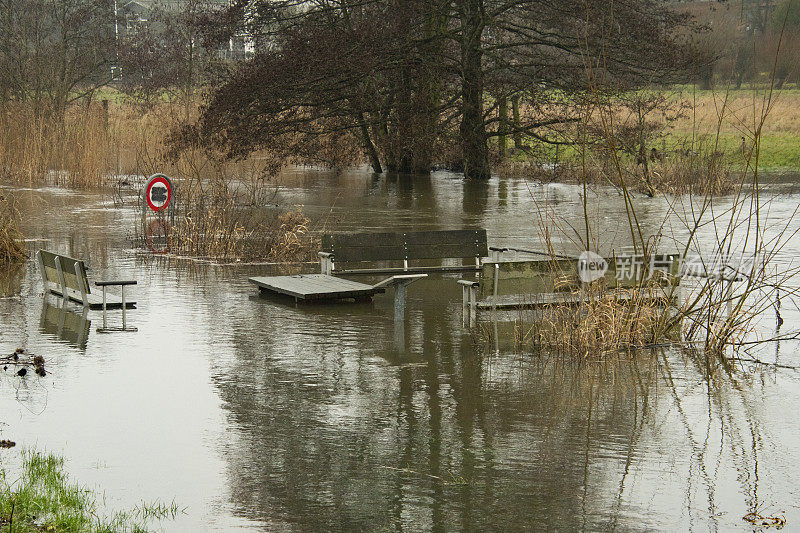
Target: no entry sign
<point x="158" y="192"/>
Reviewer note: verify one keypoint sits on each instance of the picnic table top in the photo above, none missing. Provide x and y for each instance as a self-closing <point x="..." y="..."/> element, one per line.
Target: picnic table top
<point x="316" y="287"/>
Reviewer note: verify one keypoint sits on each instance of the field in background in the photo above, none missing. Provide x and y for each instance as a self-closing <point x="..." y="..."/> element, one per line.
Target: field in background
<point x="780" y="136"/>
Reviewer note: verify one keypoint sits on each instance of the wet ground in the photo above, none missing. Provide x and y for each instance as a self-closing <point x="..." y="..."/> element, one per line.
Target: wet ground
<point x="254" y="413"/>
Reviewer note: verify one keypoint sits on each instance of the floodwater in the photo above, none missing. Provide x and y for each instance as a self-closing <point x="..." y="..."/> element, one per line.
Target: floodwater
<point x="255" y="414"/>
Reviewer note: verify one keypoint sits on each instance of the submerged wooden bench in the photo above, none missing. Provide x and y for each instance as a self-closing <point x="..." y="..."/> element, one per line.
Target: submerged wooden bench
<point x="531" y="283"/>
<point x="360" y="248"/>
<point x="66" y="277"/>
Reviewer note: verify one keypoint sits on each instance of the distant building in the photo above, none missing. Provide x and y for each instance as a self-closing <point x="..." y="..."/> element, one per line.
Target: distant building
<point x="131" y="15"/>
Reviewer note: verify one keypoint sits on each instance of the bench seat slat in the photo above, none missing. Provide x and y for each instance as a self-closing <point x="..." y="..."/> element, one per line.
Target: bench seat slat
<point x="96" y="300"/>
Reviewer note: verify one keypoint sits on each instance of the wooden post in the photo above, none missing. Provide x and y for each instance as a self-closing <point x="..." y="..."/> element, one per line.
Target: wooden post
<point x="494" y="291"/>
<point x="473" y="305"/>
<point x="469" y="296"/>
<point x="326" y="263"/>
<point x="399" y="302"/>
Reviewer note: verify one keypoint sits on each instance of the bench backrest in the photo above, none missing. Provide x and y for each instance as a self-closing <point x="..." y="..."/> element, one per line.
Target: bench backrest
<point x="63" y="271"/>
<point x="544" y="276"/>
<point x="362" y="247"/>
<point x="537" y="276"/>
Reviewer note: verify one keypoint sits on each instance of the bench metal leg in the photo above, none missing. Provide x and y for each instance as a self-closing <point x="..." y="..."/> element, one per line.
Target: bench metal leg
<point x="104" y="308"/>
<point x="105" y="328"/>
<point x="473" y="306"/>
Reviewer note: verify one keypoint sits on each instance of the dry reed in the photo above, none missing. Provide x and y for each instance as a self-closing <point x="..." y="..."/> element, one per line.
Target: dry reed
<point x="226" y="211"/>
<point x="12" y="246"/>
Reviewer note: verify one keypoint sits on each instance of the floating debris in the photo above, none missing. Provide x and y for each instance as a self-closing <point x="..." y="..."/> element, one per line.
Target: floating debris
<point x="22" y="359"/>
<point x="765" y="521"/>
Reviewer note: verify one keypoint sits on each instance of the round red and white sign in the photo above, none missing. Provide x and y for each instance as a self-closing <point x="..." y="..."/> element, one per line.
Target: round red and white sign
<point x="158" y="192"/>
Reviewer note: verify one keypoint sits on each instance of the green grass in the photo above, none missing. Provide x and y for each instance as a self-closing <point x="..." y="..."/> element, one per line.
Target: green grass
<point x="779" y="151"/>
<point x="43" y="498"/>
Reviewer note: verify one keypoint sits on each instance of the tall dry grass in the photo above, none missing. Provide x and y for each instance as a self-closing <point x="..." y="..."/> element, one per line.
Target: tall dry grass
<point x="75" y="150"/>
<point x="603" y="322"/>
<point x="227" y="211"/>
<point x="91" y="145"/>
<point x="12" y="246"/>
<point x="222" y="209"/>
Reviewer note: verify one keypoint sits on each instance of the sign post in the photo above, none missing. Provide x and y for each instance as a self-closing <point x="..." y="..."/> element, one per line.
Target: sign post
<point x="157" y="196"/>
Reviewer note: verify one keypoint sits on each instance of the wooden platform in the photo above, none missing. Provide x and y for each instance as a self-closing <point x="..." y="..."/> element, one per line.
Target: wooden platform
<point x="96" y="300"/>
<point x="316" y="287"/>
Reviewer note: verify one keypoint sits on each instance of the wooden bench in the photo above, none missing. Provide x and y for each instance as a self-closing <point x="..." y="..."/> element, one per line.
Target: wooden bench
<point x="409" y="246"/>
<point x="66" y="277"/>
<point x="530" y="283"/>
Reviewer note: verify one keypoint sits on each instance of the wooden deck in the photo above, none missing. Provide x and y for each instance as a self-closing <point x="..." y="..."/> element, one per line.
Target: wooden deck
<point x="316" y="287"/>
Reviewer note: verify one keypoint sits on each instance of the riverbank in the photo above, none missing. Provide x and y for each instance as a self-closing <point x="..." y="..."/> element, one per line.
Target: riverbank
<point x="42" y="497"/>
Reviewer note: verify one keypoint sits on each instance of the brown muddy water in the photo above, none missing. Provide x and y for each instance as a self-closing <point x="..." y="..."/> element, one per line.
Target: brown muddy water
<point x="255" y="414"/>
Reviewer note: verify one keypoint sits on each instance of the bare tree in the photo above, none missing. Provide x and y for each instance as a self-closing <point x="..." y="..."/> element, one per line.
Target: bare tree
<point x="53" y="52"/>
<point x="407" y="78"/>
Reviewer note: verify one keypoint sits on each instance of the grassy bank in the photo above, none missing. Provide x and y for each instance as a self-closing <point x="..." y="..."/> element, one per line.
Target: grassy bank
<point x="779" y="135"/>
<point x="43" y="498"/>
<point x="707" y="130"/>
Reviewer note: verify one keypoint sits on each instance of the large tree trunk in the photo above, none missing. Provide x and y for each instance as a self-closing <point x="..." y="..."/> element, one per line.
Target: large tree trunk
<point x="502" y="125"/>
<point x="369" y="146"/>
<point x="515" y="118"/>
<point x="473" y="127"/>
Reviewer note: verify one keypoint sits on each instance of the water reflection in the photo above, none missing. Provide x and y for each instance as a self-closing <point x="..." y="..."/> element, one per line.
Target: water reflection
<point x="257" y="413"/>
<point x="11" y="280"/>
<point x="65" y="324"/>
